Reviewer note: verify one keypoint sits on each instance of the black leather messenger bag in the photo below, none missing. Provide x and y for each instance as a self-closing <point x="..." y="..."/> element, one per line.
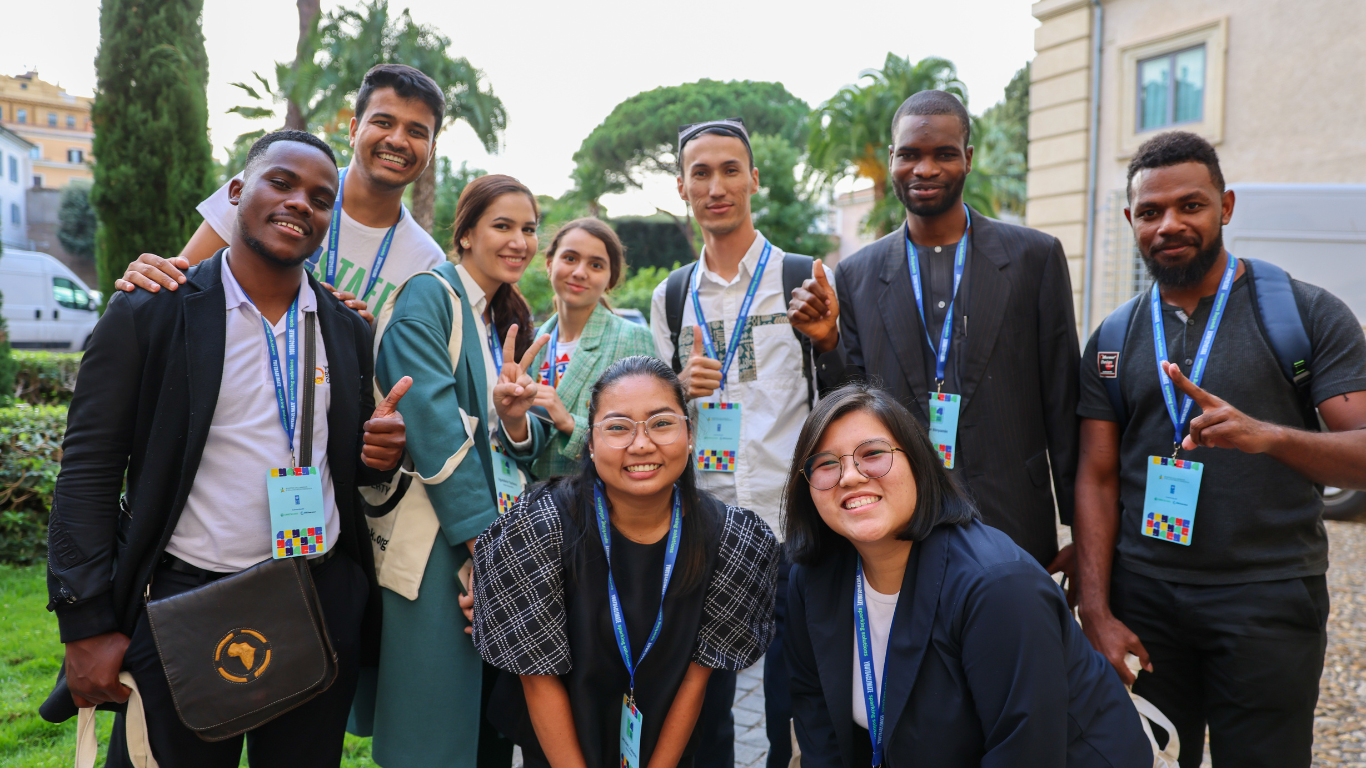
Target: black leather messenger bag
<point x="243" y="650"/>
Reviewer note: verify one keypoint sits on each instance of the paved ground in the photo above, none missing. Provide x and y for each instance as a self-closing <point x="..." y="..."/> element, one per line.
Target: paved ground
<point x="1339" y="723"/>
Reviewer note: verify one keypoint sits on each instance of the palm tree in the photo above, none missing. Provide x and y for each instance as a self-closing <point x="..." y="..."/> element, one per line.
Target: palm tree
<point x="850" y="132"/>
<point x="337" y="54"/>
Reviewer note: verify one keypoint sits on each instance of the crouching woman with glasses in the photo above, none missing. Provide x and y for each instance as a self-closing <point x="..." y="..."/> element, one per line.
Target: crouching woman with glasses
<point x="917" y="634"/>
<point x="610" y="595"/>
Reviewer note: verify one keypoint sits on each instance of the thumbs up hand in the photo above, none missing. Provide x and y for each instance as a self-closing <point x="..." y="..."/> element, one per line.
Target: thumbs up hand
<point x="701" y="375"/>
<point x="815" y="310"/>
<point x="385" y="436"/>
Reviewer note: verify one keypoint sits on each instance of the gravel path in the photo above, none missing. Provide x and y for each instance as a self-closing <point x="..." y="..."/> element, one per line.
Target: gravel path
<point x="1340" y="720"/>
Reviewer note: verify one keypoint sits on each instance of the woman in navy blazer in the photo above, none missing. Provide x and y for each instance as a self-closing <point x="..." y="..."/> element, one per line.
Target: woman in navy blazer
<point x="984" y="665"/>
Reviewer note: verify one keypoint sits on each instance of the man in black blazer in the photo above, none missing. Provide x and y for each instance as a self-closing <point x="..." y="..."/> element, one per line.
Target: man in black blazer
<point x="175" y="399"/>
<point x="1012" y="352"/>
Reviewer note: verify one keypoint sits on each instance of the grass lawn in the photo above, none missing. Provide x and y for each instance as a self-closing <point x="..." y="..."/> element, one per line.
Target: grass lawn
<point x="30" y="656"/>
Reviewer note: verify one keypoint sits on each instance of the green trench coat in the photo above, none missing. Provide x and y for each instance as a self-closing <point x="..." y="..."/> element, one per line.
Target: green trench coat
<point x="422" y="704"/>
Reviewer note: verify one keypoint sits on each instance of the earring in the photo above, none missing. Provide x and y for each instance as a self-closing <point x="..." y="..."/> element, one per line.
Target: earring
<point x="465" y="244"/>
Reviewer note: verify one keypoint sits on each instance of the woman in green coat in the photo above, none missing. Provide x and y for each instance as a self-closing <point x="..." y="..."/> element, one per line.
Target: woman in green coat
<point x="585" y="260"/>
<point x="425" y="706"/>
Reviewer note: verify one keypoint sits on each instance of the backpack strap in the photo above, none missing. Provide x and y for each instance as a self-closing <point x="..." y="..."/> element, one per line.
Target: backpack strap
<point x="1286" y="329"/>
<point x="675" y="295"/>
<point x="796" y="268"/>
<point x="1110" y="338"/>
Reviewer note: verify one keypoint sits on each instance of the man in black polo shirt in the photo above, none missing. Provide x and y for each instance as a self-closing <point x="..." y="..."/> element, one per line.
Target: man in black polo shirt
<point x="1228" y="614"/>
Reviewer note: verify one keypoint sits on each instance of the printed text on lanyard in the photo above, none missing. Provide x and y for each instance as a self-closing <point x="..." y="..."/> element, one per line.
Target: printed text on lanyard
<point x="329" y="269"/>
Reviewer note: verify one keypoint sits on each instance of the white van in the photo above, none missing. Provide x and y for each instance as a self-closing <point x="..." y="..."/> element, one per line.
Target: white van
<point x="46" y="305"/>
<point x="1317" y="233"/>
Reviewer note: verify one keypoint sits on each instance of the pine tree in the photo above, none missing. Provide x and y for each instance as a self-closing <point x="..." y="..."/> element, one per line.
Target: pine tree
<point x="153" y="161"/>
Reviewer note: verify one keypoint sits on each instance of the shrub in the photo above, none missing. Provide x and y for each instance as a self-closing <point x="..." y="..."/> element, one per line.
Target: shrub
<point x="45" y="378"/>
<point x="30" y="457"/>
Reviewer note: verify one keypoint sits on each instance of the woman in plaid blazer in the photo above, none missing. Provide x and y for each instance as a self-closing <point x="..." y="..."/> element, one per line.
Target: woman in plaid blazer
<point x="585" y="260"/>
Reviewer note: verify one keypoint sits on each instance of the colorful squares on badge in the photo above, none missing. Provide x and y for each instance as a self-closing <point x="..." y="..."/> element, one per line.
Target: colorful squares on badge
<point x="1178" y="463"/>
<point x="716" y="406"/>
<point x="1167" y="527"/>
<point x="299" y="541"/>
<point x="945" y="454"/>
<point x="505" y="502"/>
<point x="722" y="461"/>
<point x="295" y="472"/>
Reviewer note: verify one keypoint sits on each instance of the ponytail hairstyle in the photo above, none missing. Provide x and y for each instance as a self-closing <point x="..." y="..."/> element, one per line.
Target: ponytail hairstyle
<point x="701" y="513"/>
<point x="507" y="305"/>
<point x="616" y="252"/>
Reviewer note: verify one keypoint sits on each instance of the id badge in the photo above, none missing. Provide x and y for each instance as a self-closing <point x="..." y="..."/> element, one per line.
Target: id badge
<point x="718" y="436"/>
<point x="944" y="425"/>
<point x="296" y="511"/>
<point x="507" y="480"/>
<point x="631" y="720"/>
<point x="1169" y="501"/>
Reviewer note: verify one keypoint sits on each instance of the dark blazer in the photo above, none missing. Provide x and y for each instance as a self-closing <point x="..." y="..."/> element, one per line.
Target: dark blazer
<point x="1018" y="359"/>
<point x="985" y="666"/>
<point x="145" y="397"/>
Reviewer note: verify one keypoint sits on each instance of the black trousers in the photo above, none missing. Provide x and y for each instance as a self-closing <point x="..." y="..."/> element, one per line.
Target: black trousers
<point x="307" y="736"/>
<point x="715" y="727"/>
<point x="1243" y="658"/>
<point x="777" y="699"/>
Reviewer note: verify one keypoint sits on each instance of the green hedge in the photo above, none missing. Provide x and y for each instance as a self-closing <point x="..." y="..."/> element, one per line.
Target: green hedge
<point x="45" y="378"/>
<point x="30" y="457"/>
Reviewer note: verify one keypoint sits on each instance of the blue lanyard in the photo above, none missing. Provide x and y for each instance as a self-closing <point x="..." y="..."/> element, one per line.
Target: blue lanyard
<point x="334" y="241"/>
<point x="740" y="320"/>
<point x="494" y="350"/>
<point x="946" y="334"/>
<point x="873" y="696"/>
<point x="1201" y="355"/>
<point x="554" y="359"/>
<point x="670" y="556"/>
<point x="286" y="398"/>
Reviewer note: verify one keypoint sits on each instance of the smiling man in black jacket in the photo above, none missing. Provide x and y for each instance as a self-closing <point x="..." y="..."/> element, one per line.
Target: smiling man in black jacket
<point x="192" y="423"/>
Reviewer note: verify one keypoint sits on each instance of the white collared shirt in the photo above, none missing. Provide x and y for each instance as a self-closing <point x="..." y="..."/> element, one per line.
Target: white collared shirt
<point x="766" y="377"/>
<point x="225" y="526"/>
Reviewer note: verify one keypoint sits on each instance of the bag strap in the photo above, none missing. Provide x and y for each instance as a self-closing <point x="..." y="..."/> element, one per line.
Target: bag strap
<point x="1114" y="331"/>
<point x="135" y="721"/>
<point x="796" y="268"/>
<point x="1165" y="756"/>
<point x="1286" y="329"/>
<point x="310" y="367"/>
<point x="675" y="296"/>
<point x="453" y="348"/>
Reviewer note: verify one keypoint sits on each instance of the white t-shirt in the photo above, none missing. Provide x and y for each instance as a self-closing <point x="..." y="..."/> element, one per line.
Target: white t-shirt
<point x="881" y="609"/>
<point x="412" y="251"/>
<point x="564" y="352"/>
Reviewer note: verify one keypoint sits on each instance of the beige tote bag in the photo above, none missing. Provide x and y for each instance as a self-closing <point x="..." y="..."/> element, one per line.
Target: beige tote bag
<point x="402" y="538"/>
<point x="135" y="726"/>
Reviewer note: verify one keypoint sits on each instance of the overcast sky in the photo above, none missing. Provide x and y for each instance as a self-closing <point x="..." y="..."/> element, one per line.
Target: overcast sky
<point x="560" y="67"/>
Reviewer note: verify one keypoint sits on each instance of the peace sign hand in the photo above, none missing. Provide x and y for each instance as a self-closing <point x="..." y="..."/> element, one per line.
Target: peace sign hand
<point x="1219" y="424"/>
<point x="515" y="390"/>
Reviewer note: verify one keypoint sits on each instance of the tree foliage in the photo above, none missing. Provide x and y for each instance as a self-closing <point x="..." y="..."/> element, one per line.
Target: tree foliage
<point x="1003" y="144"/>
<point x="76" y="221"/>
<point x="334" y="58"/>
<point x="450" y="182"/>
<point x="155" y="162"/>
<point x="783" y="211"/>
<point x="640" y="136"/>
<point x="6" y="357"/>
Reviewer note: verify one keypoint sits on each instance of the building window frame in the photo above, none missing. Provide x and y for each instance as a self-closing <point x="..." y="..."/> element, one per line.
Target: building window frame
<point x="71" y="122"/>
<point x="75" y="156"/>
<point x="21" y="116"/>
<point x="1213" y="36"/>
<point x="52" y="119"/>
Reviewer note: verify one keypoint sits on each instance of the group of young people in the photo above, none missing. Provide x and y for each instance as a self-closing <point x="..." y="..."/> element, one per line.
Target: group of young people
<point x="821" y="468"/>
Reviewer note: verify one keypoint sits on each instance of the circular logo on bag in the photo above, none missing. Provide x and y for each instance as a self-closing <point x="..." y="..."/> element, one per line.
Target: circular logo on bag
<point x="242" y="655"/>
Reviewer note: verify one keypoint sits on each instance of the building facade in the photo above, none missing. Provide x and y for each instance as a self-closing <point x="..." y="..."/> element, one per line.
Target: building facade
<point x="1109" y="74"/>
<point x="56" y="122"/>
<point x="16" y="171"/>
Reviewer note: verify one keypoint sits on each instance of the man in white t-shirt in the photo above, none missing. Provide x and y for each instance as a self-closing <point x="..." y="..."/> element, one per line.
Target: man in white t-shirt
<point x="399" y="111"/>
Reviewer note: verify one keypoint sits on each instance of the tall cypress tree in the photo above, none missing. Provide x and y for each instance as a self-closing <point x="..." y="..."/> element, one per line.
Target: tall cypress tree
<point x="153" y="162"/>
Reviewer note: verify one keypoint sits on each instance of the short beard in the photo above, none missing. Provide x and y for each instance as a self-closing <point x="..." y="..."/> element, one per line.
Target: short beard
<point x="260" y="249"/>
<point x="953" y="195"/>
<point x="1192" y="272"/>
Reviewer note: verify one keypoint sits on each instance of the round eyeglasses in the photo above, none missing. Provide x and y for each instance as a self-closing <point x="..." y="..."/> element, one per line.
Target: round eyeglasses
<point x="662" y="428"/>
<point x="872" y="459"/>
